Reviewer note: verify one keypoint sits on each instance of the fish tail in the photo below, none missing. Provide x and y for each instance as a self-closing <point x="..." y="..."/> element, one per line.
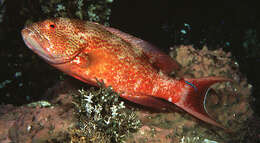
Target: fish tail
<point x="194" y="97"/>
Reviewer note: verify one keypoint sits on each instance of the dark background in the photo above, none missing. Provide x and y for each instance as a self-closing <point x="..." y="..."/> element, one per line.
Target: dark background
<point x="159" y="22"/>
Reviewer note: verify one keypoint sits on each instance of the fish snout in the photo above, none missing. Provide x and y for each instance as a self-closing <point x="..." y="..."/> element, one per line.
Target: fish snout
<point x="37" y="43"/>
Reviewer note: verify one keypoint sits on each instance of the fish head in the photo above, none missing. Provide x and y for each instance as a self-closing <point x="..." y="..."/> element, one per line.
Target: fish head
<point x="54" y="39"/>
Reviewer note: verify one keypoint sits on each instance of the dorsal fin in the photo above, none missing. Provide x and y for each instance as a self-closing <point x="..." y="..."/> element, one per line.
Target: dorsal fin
<point x="161" y="60"/>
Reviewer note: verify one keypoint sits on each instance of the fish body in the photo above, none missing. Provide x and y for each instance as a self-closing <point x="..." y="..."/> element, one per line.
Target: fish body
<point x="134" y="68"/>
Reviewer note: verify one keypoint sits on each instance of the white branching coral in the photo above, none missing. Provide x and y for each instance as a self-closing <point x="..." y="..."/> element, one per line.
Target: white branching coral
<point x="101" y="110"/>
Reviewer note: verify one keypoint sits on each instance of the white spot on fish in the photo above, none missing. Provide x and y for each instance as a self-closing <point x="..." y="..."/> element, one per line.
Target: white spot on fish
<point x="170" y="99"/>
<point x="137" y="85"/>
<point x="155" y="89"/>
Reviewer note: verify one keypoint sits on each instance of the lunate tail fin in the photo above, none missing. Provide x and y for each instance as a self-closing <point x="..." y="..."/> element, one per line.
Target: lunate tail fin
<point x="194" y="100"/>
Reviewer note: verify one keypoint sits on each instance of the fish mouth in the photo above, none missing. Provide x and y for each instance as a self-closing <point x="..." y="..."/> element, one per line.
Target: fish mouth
<point x="38" y="43"/>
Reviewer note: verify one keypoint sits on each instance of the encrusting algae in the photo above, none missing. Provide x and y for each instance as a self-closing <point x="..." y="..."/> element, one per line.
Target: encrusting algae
<point x="230" y="105"/>
<point x="58" y="124"/>
<point x="132" y="67"/>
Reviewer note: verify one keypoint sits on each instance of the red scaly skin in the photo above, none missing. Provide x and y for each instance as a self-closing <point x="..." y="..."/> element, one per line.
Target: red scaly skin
<point x="103" y="56"/>
<point x="89" y="51"/>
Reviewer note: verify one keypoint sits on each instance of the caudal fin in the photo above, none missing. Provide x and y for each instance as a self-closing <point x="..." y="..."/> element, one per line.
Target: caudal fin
<point x="194" y="99"/>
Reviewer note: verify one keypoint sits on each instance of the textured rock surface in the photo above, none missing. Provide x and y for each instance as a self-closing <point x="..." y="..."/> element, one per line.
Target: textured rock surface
<point x="229" y="105"/>
<point x="37" y="124"/>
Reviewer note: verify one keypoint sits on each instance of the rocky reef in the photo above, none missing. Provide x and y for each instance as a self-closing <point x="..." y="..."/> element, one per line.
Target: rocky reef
<point x="34" y="109"/>
<point x="74" y="115"/>
<point x="229" y="104"/>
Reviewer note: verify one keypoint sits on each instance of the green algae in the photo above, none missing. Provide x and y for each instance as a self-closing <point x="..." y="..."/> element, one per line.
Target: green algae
<point x="97" y="11"/>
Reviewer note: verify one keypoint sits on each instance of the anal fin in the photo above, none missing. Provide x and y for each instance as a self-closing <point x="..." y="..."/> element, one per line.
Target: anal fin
<point x="148" y="101"/>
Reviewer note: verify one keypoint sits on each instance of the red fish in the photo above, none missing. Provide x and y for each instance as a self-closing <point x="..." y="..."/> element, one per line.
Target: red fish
<point x="137" y="70"/>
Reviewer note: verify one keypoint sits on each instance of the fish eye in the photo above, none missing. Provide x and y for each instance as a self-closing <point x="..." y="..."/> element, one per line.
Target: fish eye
<point x="52" y="25"/>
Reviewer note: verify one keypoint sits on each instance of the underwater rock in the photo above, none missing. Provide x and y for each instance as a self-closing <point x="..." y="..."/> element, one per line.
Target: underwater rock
<point x="229" y="104"/>
<point x="92" y="115"/>
<point x="37" y="124"/>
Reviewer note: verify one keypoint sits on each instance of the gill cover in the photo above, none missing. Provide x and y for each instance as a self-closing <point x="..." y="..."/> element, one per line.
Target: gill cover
<point x="50" y="39"/>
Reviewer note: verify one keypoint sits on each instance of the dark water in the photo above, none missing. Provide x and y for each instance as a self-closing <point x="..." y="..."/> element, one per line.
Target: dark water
<point x="160" y="23"/>
<point x="227" y="28"/>
<point x="25" y="77"/>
